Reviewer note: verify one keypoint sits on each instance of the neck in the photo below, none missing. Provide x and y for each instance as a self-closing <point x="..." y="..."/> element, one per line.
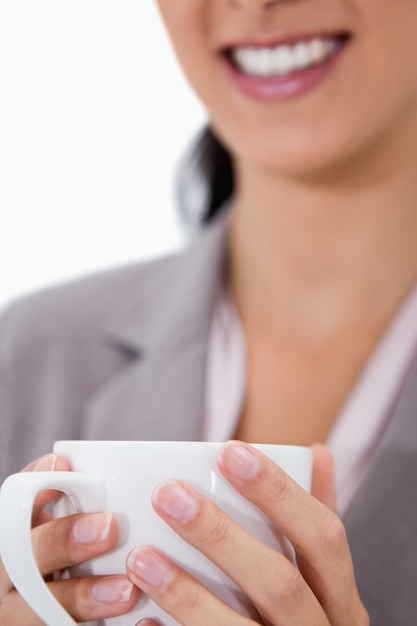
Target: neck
<point x="312" y="261"/>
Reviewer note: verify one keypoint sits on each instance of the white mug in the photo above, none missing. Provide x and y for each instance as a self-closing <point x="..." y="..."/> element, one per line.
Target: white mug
<point x="119" y="476"/>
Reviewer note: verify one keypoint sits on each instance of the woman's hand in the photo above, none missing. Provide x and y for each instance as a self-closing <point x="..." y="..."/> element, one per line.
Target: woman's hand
<point x="321" y="591"/>
<point x="59" y="544"/>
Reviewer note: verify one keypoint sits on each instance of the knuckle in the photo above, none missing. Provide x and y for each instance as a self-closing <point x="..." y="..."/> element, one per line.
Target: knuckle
<point x="217" y="531"/>
<point x="52" y="542"/>
<point x="187" y="601"/>
<point x="288" y="588"/>
<point x="74" y="595"/>
<point x="65" y="593"/>
<point x="359" y="614"/>
<point x="280" y="487"/>
<point x="364" y="619"/>
<point x="282" y="584"/>
<point x="47" y="543"/>
<point x="51" y="545"/>
<point x="333" y="537"/>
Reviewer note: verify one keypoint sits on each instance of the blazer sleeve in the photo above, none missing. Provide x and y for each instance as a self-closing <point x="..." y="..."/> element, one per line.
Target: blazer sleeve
<point x="27" y="382"/>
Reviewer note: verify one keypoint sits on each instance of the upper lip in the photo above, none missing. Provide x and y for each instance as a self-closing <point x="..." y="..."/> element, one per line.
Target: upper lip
<point x="268" y="41"/>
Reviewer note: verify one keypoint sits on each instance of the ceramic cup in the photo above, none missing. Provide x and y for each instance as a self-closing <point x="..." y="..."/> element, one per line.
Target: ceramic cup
<point x="119" y="476"/>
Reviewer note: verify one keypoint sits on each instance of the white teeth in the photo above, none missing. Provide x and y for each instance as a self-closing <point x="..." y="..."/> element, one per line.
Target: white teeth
<point x="302" y="56"/>
<point x="283" y="60"/>
<point x="318" y="50"/>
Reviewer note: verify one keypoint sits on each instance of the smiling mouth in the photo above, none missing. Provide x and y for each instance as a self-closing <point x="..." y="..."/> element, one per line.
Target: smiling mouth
<point x="286" y="59"/>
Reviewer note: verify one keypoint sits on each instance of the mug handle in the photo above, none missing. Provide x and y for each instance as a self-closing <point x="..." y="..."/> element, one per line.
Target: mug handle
<point x="17" y="496"/>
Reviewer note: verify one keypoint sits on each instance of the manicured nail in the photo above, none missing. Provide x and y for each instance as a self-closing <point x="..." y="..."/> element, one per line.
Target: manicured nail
<point x="112" y="589"/>
<point x="145" y="622"/>
<point x="150" y="567"/>
<point x="92" y="528"/>
<point x="46" y="463"/>
<point x="239" y="460"/>
<point x="176" y="501"/>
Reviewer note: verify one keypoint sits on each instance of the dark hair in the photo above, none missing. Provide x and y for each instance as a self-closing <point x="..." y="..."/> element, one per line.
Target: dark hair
<point x="205" y="180"/>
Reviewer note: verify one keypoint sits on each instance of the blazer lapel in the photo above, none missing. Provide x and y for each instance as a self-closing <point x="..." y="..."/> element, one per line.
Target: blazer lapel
<point x="382" y="521"/>
<point x="163" y="323"/>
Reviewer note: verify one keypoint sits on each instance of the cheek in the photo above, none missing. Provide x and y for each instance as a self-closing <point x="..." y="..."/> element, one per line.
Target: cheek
<point x="390" y="46"/>
<point x="388" y="72"/>
<point x="187" y="24"/>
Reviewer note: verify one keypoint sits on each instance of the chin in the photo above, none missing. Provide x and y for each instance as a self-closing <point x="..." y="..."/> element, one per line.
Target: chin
<point x="308" y="152"/>
<point x="306" y="160"/>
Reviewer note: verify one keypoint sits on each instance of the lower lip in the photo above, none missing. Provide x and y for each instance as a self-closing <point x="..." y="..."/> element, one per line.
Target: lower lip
<point x="282" y="88"/>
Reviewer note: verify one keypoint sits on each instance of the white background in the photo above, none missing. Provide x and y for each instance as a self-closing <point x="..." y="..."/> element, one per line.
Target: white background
<point x="94" y="116"/>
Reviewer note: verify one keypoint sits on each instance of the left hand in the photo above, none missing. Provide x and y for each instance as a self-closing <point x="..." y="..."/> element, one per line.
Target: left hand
<point x="319" y="591"/>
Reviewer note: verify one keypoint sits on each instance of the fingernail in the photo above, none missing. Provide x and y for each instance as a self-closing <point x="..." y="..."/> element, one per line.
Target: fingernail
<point x="112" y="589"/>
<point x="176" y="501"/>
<point x="239" y="460"/>
<point x="46" y="463"/>
<point x="92" y="528"/>
<point x="150" y="567"/>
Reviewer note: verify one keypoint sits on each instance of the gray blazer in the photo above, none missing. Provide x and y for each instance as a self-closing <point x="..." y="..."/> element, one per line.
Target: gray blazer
<point x="121" y="355"/>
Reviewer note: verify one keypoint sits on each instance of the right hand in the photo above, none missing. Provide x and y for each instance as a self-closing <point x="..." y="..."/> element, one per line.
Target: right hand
<point x="62" y="543"/>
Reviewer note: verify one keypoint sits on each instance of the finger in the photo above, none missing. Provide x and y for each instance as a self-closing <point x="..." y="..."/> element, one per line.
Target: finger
<point x="67" y="541"/>
<point x="46" y="463"/>
<point x="316" y="532"/>
<point x="177" y="593"/>
<point x="5" y="583"/>
<point x="268" y="578"/>
<point x="323" y="483"/>
<point x="85" y="599"/>
<point x="70" y="540"/>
